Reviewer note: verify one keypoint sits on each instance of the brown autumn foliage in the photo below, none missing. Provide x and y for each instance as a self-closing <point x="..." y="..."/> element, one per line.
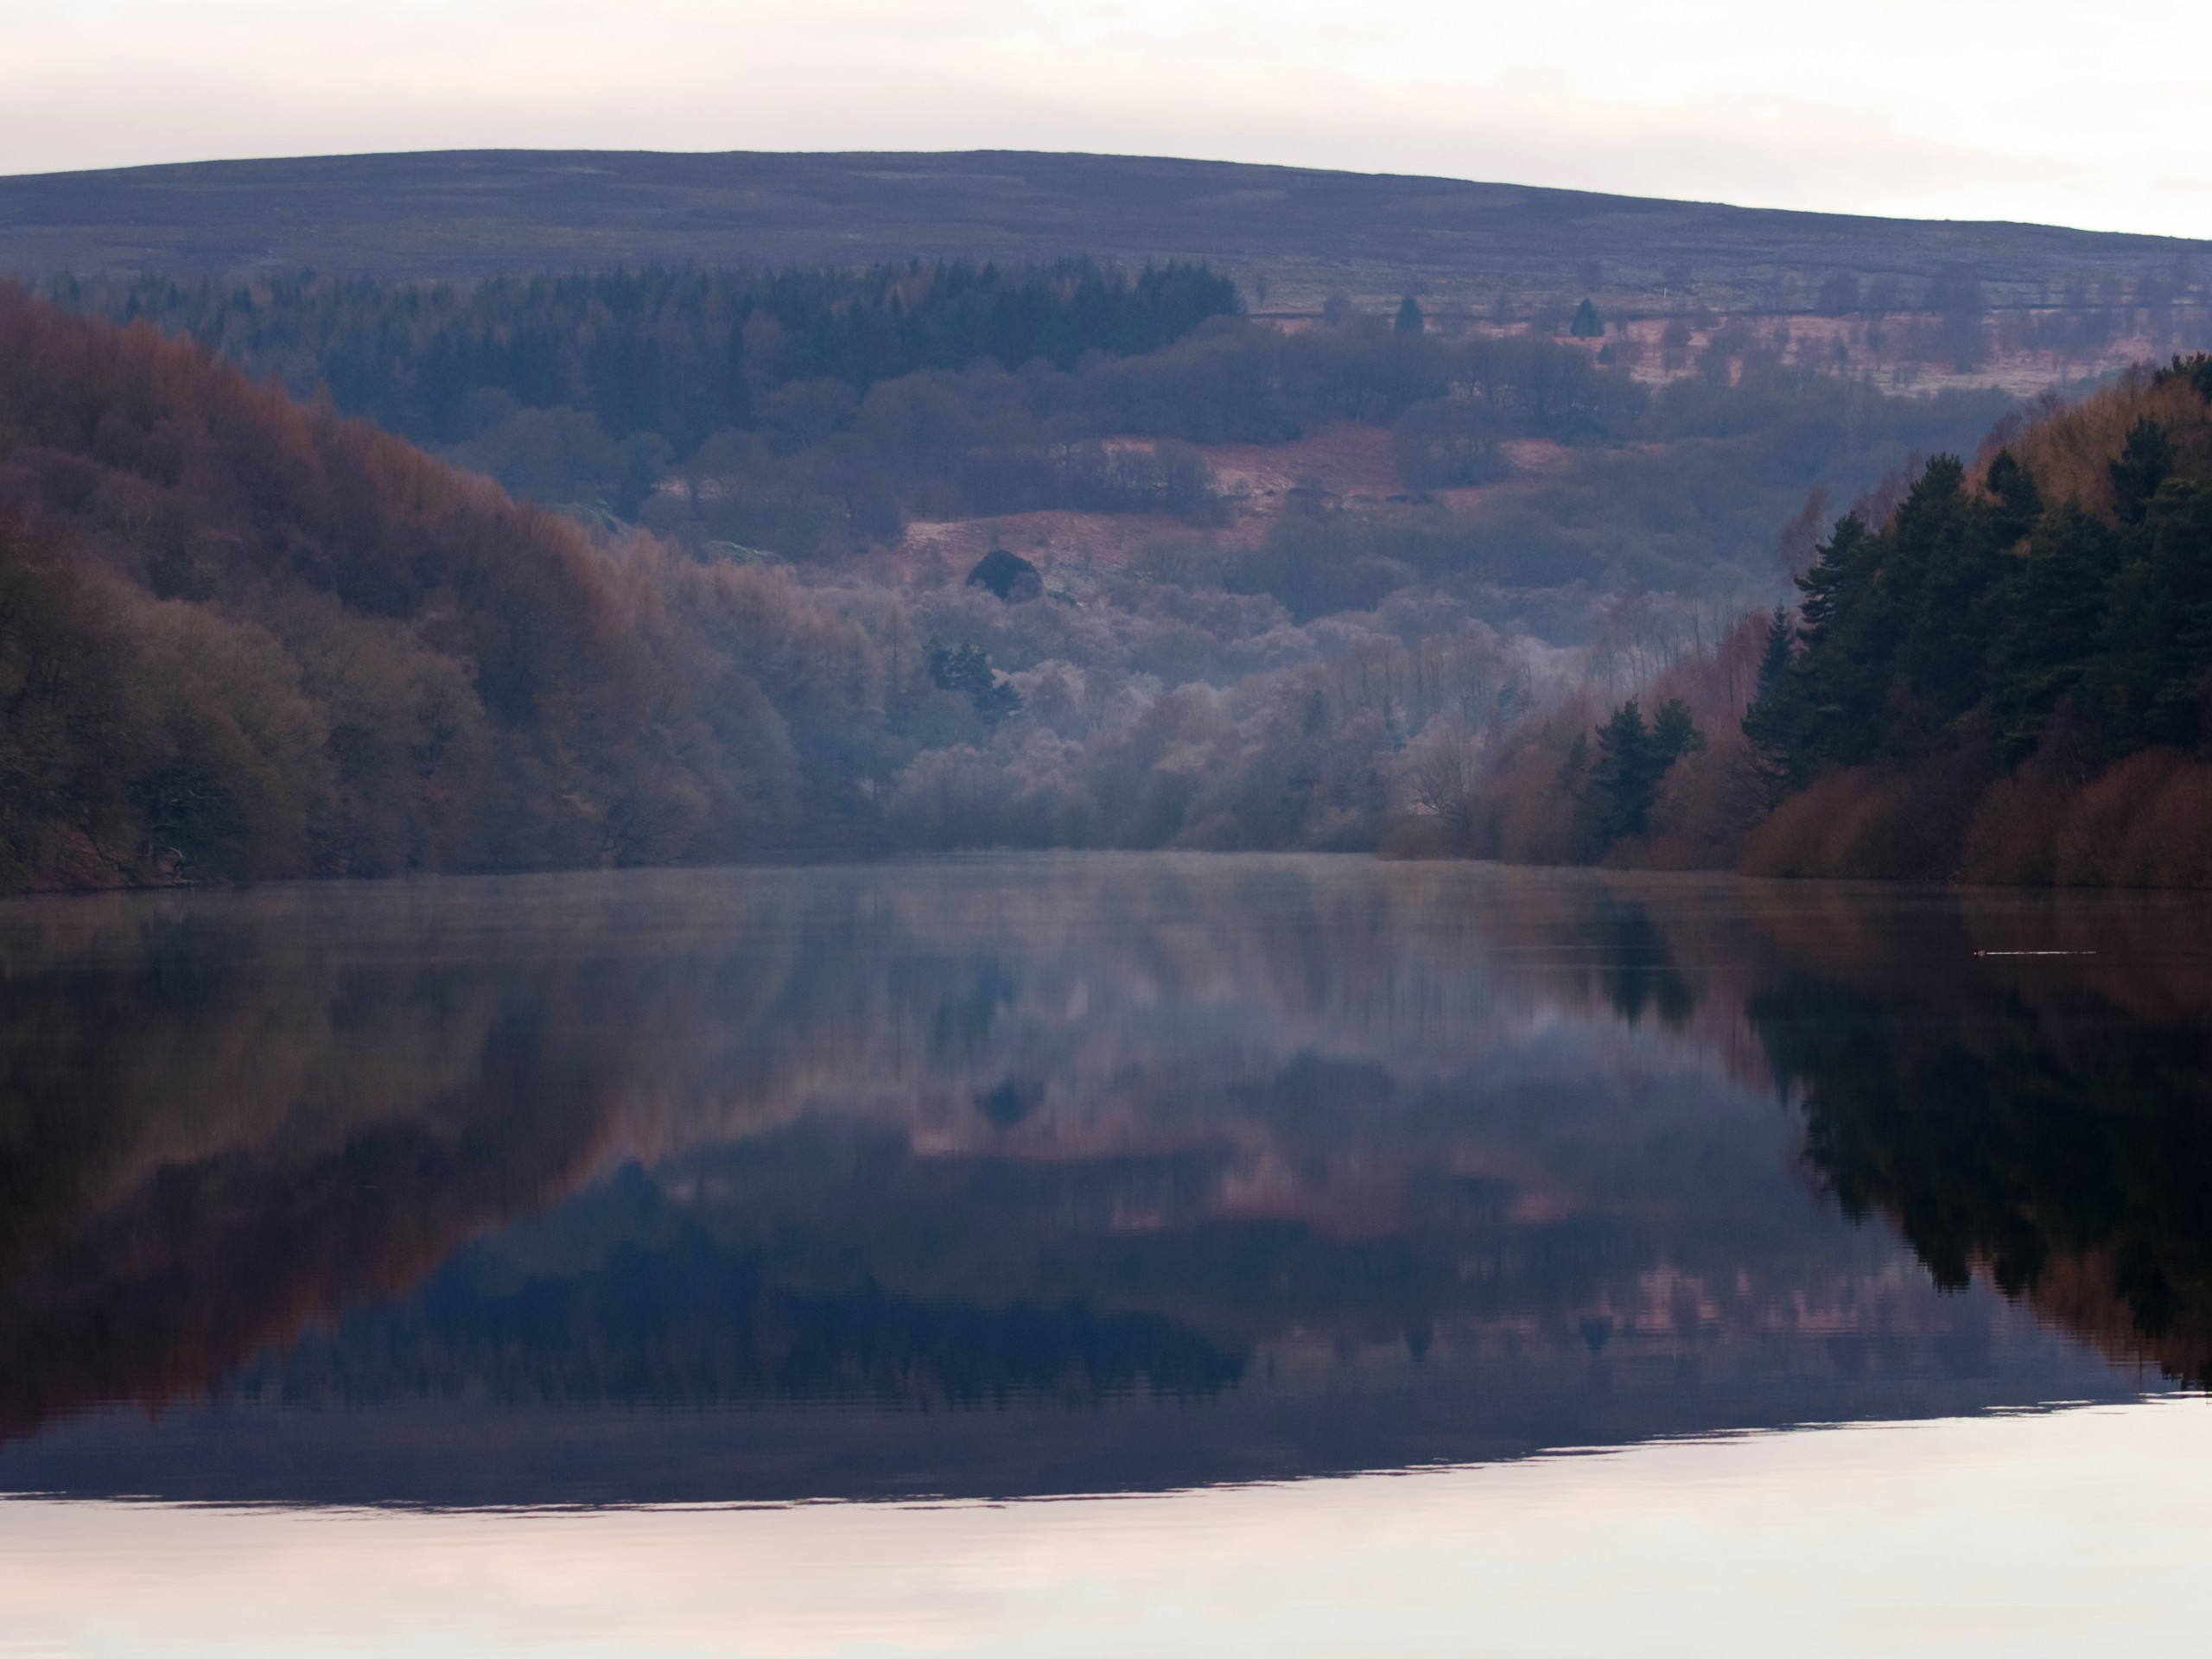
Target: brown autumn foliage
<point x="2143" y="822"/>
<point x="240" y="637"/>
<point x="1529" y="805"/>
<point x="1868" y="825"/>
<point x="2068" y="450"/>
<point x="1526" y="807"/>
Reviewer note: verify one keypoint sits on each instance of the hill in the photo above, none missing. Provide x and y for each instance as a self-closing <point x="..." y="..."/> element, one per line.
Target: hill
<point x="240" y="637"/>
<point x="1290" y="236"/>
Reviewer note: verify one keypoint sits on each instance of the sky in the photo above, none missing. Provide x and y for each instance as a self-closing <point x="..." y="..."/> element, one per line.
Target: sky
<point x="2028" y="109"/>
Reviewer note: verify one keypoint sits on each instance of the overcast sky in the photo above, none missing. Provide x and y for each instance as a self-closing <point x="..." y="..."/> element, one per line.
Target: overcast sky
<point x="2064" y="113"/>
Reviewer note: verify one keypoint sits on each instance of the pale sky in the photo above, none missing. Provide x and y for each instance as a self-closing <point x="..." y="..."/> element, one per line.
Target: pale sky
<point x="2063" y="113"/>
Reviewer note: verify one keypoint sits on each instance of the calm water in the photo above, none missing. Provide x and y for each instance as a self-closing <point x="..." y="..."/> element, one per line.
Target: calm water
<point x="1372" y="1258"/>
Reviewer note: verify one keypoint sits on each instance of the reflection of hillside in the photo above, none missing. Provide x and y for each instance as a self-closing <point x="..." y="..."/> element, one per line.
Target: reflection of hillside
<point x="1052" y="1127"/>
<point x="830" y="1263"/>
<point x="222" y="1119"/>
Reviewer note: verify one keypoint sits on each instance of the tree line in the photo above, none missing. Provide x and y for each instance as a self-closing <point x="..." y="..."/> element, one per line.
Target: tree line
<point x="1996" y="672"/>
<point x="2014" y="636"/>
<point x="678" y="351"/>
<point x="241" y="636"/>
<point x="811" y="415"/>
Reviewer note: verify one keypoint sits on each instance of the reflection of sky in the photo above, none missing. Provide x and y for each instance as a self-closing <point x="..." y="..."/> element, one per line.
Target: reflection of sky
<point x="2061" y="1533"/>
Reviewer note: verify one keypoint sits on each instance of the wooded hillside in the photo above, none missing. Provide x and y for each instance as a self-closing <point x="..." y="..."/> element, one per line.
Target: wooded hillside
<point x="239" y="638"/>
<point x="1997" y="672"/>
<point x="244" y="637"/>
<point x="2011" y="680"/>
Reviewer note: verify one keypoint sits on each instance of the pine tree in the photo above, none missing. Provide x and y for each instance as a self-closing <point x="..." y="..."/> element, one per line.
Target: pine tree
<point x="1633" y="760"/>
<point x="1587" y="324"/>
<point x="1774" y="661"/>
<point x="1674" y="734"/>
<point x="2143" y="466"/>
<point x="1410" y="321"/>
<point x="1620" y="800"/>
<point x="2019" y="504"/>
<point x="966" y="670"/>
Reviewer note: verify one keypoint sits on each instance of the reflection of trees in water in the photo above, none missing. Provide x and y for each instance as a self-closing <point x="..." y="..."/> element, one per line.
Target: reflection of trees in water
<point x="2046" y="1122"/>
<point x="223" y="1117"/>
<point x="1640" y="968"/>
<point x="670" y="1312"/>
<point x="952" y="1132"/>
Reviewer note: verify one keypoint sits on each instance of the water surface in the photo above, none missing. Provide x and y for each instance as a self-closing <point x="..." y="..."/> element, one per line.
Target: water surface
<point x="1021" y="1177"/>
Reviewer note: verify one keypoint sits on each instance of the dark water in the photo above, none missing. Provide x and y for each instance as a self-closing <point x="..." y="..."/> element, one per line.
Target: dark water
<point x="1022" y="1176"/>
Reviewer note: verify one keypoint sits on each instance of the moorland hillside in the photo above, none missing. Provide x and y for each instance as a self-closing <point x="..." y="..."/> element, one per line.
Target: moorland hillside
<point x="1290" y="236"/>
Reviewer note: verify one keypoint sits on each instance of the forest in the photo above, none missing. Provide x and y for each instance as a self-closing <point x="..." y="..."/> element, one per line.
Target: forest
<point x="1996" y="672"/>
<point x="245" y="633"/>
<point x="2010" y="679"/>
<point x="810" y="416"/>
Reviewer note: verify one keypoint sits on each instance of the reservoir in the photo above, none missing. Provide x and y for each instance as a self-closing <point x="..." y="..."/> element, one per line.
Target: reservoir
<point x="1075" y="1253"/>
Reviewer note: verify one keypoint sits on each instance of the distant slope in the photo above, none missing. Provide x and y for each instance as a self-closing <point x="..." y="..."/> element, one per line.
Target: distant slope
<point x="1307" y="232"/>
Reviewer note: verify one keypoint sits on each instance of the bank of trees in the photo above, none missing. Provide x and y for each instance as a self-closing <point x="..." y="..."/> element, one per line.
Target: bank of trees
<point x="810" y="414"/>
<point x="242" y="639"/>
<point x="2005" y="676"/>
<point x="2012" y="677"/>
<point x="241" y="636"/>
<point x="681" y="353"/>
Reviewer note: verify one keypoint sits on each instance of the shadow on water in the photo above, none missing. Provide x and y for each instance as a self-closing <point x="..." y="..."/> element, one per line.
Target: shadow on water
<point x="1045" y="1174"/>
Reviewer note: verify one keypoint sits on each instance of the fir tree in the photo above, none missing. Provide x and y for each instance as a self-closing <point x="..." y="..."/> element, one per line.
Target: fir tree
<point x="1774" y="661"/>
<point x="1621" y="780"/>
<point x="1633" y="757"/>
<point x="2144" y="464"/>
<point x="966" y="670"/>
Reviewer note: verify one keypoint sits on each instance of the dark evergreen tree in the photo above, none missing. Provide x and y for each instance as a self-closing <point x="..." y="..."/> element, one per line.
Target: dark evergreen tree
<point x="1621" y="781"/>
<point x="1633" y="757"/>
<point x="966" y="670"/>
<point x="2050" y="613"/>
<point x="1587" y="323"/>
<point x="2020" y="504"/>
<point x="1410" y="321"/>
<point x="1774" y="661"/>
<point x="2150" y="678"/>
<point x="1972" y="619"/>
<point x="2144" y="464"/>
<point x="1674" y="734"/>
